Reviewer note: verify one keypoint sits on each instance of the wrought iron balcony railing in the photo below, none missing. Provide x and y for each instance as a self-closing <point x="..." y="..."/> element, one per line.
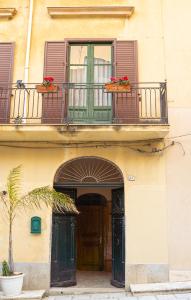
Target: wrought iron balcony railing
<point x="78" y="103"/>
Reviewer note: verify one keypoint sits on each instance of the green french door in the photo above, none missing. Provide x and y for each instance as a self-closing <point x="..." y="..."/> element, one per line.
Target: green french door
<point x="118" y="238"/>
<point x="90" y="66"/>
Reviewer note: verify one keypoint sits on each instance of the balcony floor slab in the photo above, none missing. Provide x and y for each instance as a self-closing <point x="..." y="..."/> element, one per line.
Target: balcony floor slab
<point x="82" y="133"/>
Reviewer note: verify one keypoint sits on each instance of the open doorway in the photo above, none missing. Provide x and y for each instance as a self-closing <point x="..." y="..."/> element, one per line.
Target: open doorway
<point x="92" y="244"/>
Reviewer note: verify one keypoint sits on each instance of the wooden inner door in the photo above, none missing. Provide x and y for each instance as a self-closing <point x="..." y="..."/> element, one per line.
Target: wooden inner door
<point x="90" y="233"/>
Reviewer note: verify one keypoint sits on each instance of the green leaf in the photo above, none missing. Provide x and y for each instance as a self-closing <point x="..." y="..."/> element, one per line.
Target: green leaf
<point x="51" y="198"/>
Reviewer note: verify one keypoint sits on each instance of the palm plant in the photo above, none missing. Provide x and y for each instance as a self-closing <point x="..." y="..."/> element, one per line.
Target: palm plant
<point x="13" y="201"/>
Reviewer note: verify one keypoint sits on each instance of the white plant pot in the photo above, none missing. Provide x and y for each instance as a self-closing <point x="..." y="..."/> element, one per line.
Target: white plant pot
<point x="12" y="285"/>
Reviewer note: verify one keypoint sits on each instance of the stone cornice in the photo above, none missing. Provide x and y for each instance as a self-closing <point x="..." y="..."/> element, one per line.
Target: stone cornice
<point x="113" y="11"/>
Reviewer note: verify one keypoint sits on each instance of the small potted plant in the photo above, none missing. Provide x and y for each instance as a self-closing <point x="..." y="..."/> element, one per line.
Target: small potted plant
<point x="47" y="86"/>
<point x="118" y="85"/>
<point x="11" y="284"/>
<point x="11" y="281"/>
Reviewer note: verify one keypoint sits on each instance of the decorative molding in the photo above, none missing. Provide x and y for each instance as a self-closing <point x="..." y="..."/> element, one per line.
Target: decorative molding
<point x="7" y="13"/>
<point x="113" y="11"/>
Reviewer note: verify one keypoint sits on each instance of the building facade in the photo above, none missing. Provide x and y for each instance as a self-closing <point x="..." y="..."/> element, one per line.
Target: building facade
<point x="123" y="157"/>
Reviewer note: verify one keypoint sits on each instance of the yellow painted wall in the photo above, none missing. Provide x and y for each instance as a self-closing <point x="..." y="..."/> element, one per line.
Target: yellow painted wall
<point x="15" y="30"/>
<point x="138" y="27"/>
<point x="162" y="30"/>
<point x="176" y="22"/>
<point x="148" y="189"/>
<point x="146" y="192"/>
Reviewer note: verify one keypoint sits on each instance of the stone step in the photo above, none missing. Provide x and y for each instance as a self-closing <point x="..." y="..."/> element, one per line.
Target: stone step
<point x="25" y="295"/>
<point x="160" y="287"/>
<point x="82" y="291"/>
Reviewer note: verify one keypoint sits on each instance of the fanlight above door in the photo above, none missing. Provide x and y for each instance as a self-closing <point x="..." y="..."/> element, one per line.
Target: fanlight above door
<point x="88" y="171"/>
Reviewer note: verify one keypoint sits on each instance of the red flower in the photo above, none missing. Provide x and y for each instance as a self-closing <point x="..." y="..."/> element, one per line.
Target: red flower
<point x="121" y="80"/>
<point x="50" y="79"/>
<point x="113" y="79"/>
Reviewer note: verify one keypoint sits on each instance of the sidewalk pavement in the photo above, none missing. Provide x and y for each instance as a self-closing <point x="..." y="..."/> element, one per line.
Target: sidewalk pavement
<point x="122" y="296"/>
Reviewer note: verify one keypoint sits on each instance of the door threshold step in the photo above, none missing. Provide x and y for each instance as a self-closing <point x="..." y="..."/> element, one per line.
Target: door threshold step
<point x="82" y="291"/>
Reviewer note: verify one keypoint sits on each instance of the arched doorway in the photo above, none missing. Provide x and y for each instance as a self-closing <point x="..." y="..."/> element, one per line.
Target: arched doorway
<point x="79" y="242"/>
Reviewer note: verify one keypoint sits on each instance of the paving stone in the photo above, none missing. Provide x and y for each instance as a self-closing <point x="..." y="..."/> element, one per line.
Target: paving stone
<point x="83" y="297"/>
<point x="147" y="298"/>
<point x="183" y="296"/>
<point x="100" y="298"/>
<point x="166" y="297"/>
<point x="107" y="296"/>
<point x="127" y="297"/>
<point x="121" y="296"/>
<point x="62" y="298"/>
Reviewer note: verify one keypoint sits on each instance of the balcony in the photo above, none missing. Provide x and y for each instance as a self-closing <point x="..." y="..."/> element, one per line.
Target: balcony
<point x="86" y="110"/>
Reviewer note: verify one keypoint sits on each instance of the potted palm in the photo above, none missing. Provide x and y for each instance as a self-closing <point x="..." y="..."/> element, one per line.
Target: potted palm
<point x="13" y="201"/>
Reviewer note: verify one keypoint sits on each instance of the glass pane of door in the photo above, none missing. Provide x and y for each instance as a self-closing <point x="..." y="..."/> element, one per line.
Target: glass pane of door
<point x="102" y="74"/>
<point x="78" y="54"/>
<point x="102" y="63"/>
<point x="78" y="63"/>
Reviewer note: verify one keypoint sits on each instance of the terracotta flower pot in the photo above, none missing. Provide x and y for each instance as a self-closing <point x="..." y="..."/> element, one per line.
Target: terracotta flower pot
<point x="114" y="87"/>
<point x="46" y="89"/>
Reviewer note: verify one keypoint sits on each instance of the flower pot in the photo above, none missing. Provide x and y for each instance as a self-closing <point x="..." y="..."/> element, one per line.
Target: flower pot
<point x="46" y="89"/>
<point x="12" y="285"/>
<point x="114" y="87"/>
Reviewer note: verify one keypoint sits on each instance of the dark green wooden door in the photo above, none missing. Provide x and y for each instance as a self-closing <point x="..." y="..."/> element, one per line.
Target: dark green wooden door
<point x="63" y="256"/>
<point x="118" y="238"/>
<point x="90" y="65"/>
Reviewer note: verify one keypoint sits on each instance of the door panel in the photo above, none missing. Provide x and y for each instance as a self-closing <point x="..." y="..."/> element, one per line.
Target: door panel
<point x="90" y="238"/>
<point x="118" y="238"/>
<point x="63" y="258"/>
<point x="63" y="251"/>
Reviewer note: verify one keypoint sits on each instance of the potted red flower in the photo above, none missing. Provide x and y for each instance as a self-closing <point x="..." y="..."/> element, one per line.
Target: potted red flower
<point x="47" y="86"/>
<point x="118" y="85"/>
